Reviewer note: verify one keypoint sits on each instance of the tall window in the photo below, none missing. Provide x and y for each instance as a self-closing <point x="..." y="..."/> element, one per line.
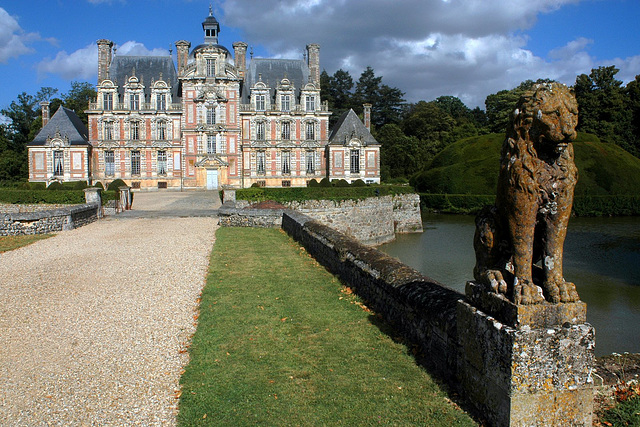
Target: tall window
<point x="260" y="162"/>
<point x="135" y="163"/>
<point x="211" y="115"/>
<point x="161" y="101"/>
<point x="285" y="103"/>
<point x="261" y="101"/>
<point x="286" y="162"/>
<point x="260" y="131"/>
<point x="109" y="163"/>
<point x="211" y="144"/>
<point x="310" y="130"/>
<point x="211" y="67"/>
<point x="58" y="163"/>
<point x="162" y="131"/>
<point x="311" y="167"/>
<point x="134" y="101"/>
<point x="355" y="161"/>
<point x="107" y="101"/>
<point x="135" y="130"/>
<point x="311" y="103"/>
<point x="286" y="131"/>
<point x="108" y="131"/>
<point x="162" y="162"/>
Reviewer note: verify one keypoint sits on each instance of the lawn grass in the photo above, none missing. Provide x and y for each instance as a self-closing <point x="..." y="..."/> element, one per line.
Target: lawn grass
<point x="281" y="342"/>
<point x="8" y="243"/>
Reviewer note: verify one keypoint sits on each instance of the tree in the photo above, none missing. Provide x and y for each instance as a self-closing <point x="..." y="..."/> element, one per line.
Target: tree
<point x="78" y="98"/>
<point x="338" y="91"/>
<point x="387" y="102"/>
<point x="400" y="155"/>
<point x="500" y="105"/>
<point x="633" y="106"/>
<point x="602" y="107"/>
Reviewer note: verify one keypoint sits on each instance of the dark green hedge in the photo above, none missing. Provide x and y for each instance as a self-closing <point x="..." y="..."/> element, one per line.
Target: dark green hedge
<point x="616" y="205"/>
<point x="66" y="197"/>
<point x="283" y="195"/>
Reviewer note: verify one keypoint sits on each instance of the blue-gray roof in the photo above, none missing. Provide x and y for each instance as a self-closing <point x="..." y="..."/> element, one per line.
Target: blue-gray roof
<point x="146" y="68"/>
<point x="69" y="125"/>
<point x="273" y="71"/>
<point x="349" y="126"/>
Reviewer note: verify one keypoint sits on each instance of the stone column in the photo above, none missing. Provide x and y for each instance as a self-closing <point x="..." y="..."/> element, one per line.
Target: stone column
<point x="526" y="365"/>
<point x="94" y="195"/>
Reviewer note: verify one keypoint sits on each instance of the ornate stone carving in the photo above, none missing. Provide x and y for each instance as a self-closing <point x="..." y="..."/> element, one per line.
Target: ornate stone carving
<point x="519" y="241"/>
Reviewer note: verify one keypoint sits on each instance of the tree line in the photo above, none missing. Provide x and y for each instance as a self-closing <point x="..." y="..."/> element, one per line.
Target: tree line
<point x="411" y="134"/>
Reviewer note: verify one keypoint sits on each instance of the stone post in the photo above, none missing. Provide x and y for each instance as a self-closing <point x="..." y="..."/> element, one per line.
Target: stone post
<point x="94" y="195"/>
<point x="125" y="197"/>
<point x="526" y="365"/>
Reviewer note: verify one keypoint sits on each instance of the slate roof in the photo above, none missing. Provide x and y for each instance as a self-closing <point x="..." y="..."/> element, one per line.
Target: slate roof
<point x="348" y="126"/>
<point x="273" y="71"/>
<point x="147" y="68"/>
<point x="69" y="125"/>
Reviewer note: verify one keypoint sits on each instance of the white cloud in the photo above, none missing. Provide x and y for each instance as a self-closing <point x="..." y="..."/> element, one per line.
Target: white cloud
<point x="134" y="48"/>
<point x="83" y="63"/>
<point x="427" y="48"/>
<point x="13" y="39"/>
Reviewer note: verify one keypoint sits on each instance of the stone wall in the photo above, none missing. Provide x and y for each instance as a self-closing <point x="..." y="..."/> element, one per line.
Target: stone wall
<point x="8" y="208"/>
<point x="48" y="221"/>
<point x="232" y="216"/>
<point x="419" y="307"/>
<point x="372" y="221"/>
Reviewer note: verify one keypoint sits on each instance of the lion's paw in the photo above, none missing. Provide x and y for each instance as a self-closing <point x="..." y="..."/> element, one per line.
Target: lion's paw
<point x="568" y="293"/>
<point x="496" y="281"/>
<point x="525" y="292"/>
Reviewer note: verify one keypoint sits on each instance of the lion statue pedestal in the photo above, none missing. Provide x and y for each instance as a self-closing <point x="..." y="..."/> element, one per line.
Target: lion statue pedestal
<point x="527" y="352"/>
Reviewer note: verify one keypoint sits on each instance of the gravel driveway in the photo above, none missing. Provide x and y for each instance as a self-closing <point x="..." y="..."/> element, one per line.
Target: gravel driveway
<point x="95" y="322"/>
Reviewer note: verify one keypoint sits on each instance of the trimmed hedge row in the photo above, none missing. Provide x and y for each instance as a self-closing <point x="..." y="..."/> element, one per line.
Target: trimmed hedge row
<point x="616" y="205"/>
<point x="299" y="194"/>
<point x="63" y="197"/>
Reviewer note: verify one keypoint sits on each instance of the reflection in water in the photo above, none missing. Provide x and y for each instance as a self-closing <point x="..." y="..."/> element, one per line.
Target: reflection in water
<point x="602" y="257"/>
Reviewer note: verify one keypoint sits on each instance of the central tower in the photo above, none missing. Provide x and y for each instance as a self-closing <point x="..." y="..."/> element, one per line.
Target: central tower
<point x="211" y="28"/>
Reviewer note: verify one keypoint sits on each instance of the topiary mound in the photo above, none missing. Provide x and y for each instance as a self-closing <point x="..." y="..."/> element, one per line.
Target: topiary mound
<point x="116" y="184"/>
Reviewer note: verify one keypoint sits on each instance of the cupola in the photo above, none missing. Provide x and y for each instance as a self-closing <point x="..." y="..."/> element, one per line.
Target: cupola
<point x="211" y="28"/>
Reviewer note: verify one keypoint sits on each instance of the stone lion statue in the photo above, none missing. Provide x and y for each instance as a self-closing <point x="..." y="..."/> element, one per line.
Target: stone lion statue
<point x="519" y="241"/>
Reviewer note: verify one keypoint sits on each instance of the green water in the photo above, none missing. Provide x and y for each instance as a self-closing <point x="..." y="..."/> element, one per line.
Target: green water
<point x="602" y="257"/>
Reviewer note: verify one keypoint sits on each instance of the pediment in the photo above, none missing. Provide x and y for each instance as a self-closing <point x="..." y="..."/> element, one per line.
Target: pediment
<point x="211" y="161"/>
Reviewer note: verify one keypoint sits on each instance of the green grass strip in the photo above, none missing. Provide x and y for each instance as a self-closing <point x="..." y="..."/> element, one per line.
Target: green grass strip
<point x="281" y="342"/>
<point x="9" y="243"/>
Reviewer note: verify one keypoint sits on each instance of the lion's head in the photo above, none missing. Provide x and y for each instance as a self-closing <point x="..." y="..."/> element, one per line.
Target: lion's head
<point x="547" y="116"/>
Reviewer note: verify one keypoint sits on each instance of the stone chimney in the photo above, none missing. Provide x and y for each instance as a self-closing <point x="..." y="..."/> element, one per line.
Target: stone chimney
<point x="44" y="106"/>
<point x="313" y="58"/>
<point x="104" y="59"/>
<point x="240" y="53"/>
<point x="367" y="116"/>
<point x="182" y="49"/>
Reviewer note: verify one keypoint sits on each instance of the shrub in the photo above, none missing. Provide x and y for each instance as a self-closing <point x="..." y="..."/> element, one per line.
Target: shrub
<point x="80" y="185"/>
<point x="71" y="197"/>
<point x="284" y="195"/>
<point x="255" y="185"/>
<point x="358" y="183"/>
<point x="313" y="183"/>
<point x="116" y="184"/>
<point x="98" y="184"/>
<point x="324" y="182"/>
<point x="55" y="185"/>
<point x="340" y="183"/>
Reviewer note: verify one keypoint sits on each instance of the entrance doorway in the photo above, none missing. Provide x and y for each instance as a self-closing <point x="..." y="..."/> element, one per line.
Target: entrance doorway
<point x="212" y="179"/>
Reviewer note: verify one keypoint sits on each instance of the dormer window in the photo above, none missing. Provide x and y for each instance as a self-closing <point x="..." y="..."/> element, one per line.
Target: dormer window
<point x="134" y="101"/>
<point x="161" y="101"/>
<point x="261" y="101"/>
<point x="107" y="101"/>
<point x="211" y="67"/>
<point x="311" y="103"/>
<point x="285" y="103"/>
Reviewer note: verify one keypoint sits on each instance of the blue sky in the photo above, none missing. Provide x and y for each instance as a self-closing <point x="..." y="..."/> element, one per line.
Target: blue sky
<point x="427" y="48"/>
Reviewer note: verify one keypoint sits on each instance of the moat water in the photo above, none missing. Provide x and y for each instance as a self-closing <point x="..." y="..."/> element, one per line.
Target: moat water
<point x="602" y="257"/>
